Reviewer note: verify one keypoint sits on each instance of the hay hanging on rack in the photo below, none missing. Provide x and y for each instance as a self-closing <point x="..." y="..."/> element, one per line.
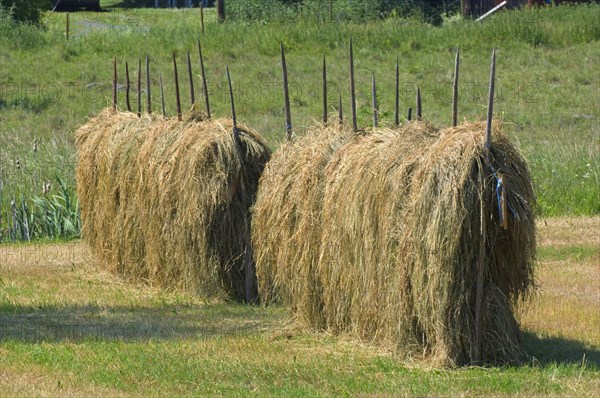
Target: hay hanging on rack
<point x="167" y="201"/>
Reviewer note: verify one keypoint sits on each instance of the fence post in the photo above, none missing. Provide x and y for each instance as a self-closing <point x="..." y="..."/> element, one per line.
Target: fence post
<point x="221" y="11"/>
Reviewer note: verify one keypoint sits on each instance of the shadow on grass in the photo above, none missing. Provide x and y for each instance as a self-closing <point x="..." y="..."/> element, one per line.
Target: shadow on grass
<point x="557" y="350"/>
<point x="123" y="323"/>
<point x="183" y="321"/>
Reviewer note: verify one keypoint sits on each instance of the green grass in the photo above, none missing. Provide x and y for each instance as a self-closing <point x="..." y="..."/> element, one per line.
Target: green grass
<point x="547" y="81"/>
<point x="178" y="368"/>
<point x="68" y="328"/>
<point x="576" y="253"/>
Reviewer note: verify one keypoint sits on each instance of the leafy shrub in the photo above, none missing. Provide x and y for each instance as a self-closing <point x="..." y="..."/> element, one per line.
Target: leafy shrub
<point x="24" y="10"/>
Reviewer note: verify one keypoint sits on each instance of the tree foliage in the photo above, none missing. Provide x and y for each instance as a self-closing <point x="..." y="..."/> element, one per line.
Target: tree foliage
<point x="24" y="10"/>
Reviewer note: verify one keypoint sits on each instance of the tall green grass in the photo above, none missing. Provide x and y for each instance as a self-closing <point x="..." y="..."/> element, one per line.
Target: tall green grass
<point x="547" y="80"/>
<point x="49" y="216"/>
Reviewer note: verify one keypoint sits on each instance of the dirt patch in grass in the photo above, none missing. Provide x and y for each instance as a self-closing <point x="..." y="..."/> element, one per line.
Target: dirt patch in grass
<point x="569" y="231"/>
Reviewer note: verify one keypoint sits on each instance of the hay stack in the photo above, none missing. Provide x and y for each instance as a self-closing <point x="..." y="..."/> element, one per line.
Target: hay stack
<point x="167" y="202"/>
<point x="377" y="235"/>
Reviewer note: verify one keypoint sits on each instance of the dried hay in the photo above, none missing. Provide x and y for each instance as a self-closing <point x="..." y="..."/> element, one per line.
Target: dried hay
<point x="377" y="235"/>
<point x="167" y="202"/>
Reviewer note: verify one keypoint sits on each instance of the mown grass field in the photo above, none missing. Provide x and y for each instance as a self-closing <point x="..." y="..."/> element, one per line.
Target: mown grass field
<point x="68" y="328"/>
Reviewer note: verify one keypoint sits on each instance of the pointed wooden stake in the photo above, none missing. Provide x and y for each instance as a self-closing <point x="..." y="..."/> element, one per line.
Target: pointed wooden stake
<point x="127" y="86"/>
<point x="488" y="126"/>
<point x="191" y="78"/>
<point x="419" y="110"/>
<point x="114" y="99"/>
<point x="286" y="96"/>
<point x="204" y="84"/>
<point x="352" y="91"/>
<point x="397" y="103"/>
<point x="233" y="116"/>
<point x="455" y="89"/>
<point x="340" y="112"/>
<point x="480" y="274"/>
<point x="374" y="96"/>
<point x="177" y="87"/>
<point x="162" y="95"/>
<point x="139" y="88"/>
<point x="149" y="103"/>
<point x="324" y="92"/>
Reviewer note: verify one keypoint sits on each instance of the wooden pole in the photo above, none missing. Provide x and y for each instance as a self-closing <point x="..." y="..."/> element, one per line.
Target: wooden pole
<point x="286" y="96"/>
<point x="127" y="86"/>
<point x="490" y="113"/>
<point x="202" y="16"/>
<point x="409" y="115"/>
<point x="67" y="26"/>
<point x="397" y="103"/>
<point x="477" y="357"/>
<point x="455" y="89"/>
<point x="324" y="92"/>
<point x="352" y="91"/>
<point x="340" y="112"/>
<point x="250" y="275"/>
<point x="162" y="95"/>
<point x="480" y="274"/>
<point x="374" y="96"/>
<point x="177" y="96"/>
<point x="191" y="79"/>
<point x="233" y="116"/>
<point x="139" y="88"/>
<point x="204" y="84"/>
<point x="114" y="101"/>
<point x="221" y="11"/>
<point x="419" y="109"/>
<point x="149" y="104"/>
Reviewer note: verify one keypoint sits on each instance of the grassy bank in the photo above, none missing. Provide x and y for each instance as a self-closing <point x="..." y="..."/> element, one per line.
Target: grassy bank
<point x="547" y="82"/>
